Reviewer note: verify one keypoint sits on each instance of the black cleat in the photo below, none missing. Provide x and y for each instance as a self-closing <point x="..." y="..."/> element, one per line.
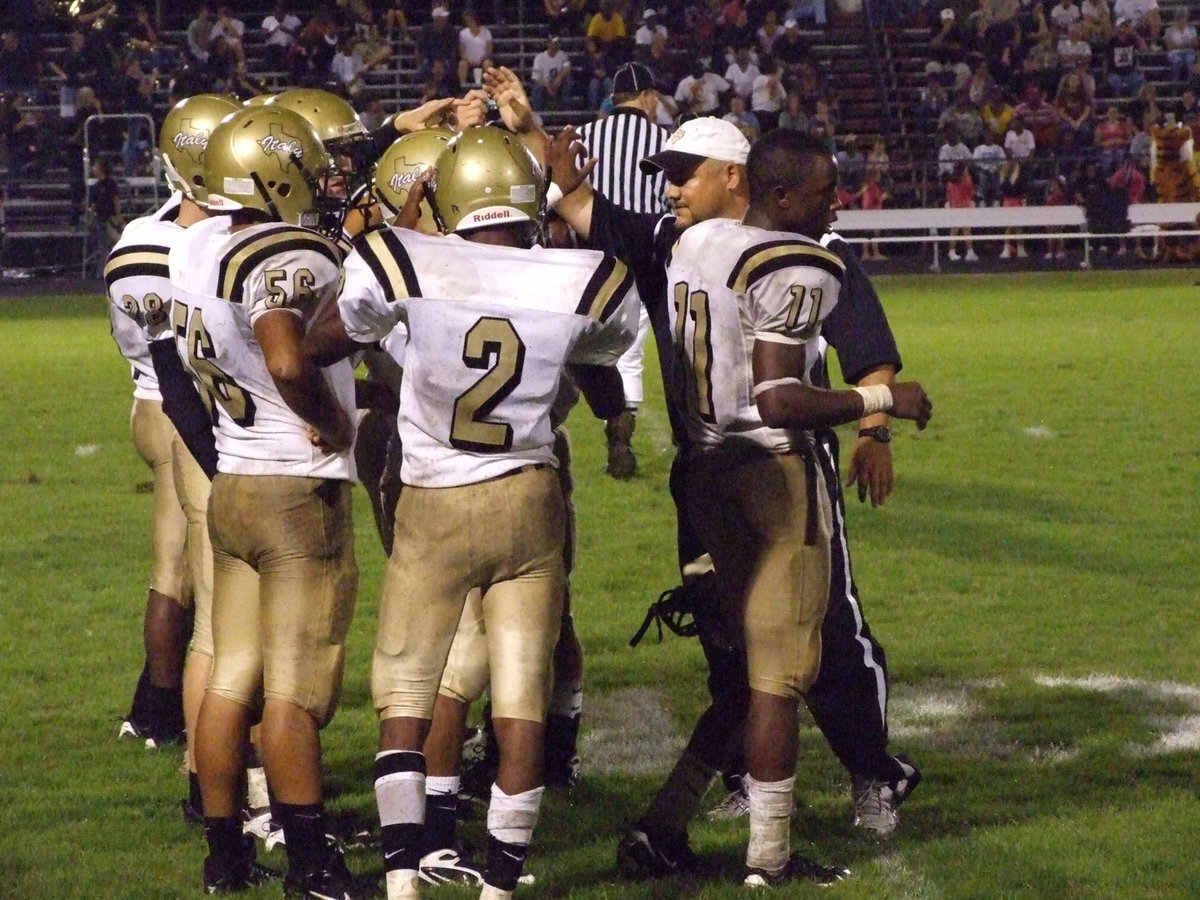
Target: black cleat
<point x="230" y="876"/>
<point x="330" y="881"/>
<point x="639" y="855"/>
<point x="797" y="868"/>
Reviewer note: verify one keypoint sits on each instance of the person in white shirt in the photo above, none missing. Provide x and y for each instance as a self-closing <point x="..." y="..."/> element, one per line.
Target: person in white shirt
<point x="1144" y="14"/>
<point x="700" y="92"/>
<point x="279" y="31"/>
<point x="1019" y="140"/>
<point x="551" y="75"/>
<point x="742" y="72"/>
<point x="650" y="29"/>
<point x="768" y="95"/>
<point x="1072" y="48"/>
<point x="1097" y="21"/>
<point x="1064" y="14"/>
<point x="988" y="158"/>
<point x="1181" y="43"/>
<point x="952" y="151"/>
<point x="225" y="41"/>
<point x="475" y="48"/>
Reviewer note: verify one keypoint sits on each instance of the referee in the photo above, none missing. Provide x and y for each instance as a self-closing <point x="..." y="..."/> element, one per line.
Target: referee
<point x="619" y="142"/>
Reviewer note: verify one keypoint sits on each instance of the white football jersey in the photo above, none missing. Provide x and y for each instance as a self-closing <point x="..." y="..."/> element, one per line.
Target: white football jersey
<point x="731" y="285"/>
<point x="139" y="292"/>
<point x="221" y="283"/>
<point x="490" y="330"/>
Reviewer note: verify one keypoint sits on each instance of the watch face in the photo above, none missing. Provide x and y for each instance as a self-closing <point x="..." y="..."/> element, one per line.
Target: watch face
<point x="880" y="433"/>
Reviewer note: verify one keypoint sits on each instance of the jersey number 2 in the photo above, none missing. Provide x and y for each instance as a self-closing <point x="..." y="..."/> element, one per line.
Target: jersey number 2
<point x="494" y="345"/>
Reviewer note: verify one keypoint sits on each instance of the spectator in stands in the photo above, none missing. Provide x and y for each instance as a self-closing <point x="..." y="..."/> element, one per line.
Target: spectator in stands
<point x="1143" y="15"/>
<point x="25" y="132"/>
<point x="77" y="68"/>
<point x="987" y="157"/>
<point x="1111" y="138"/>
<point x="141" y="39"/>
<point x="1019" y="142"/>
<point x="442" y="81"/>
<point x="1140" y="146"/>
<point x="137" y="98"/>
<point x="768" y="33"/>
<point x="1073" y="49"/>
<point x="1063" y="15"/>
<point x="948" y="43"/>
<point x="792" y="49"/>
<point x="1041" y="65"/>
<point x="606" y="25"/>
<point x="810" y="85"/>
<point x="103" y="212"/>
<point x="1145" y="103"/>
<point x="225" y="42"/>
<point x="980" y="85"/>
<point x="964" y="118"/>
<point x="87" y="104"/>
<point x="279" y="30"/>
<point x="879" y="160"/>
<point x="650" y="28"/>
<point x="1076" y="109"/>
<point x="823" y="122"/>
<point x="960" y="194"/>
<point x="1041" y="118"/>
<point x="1057" y="194"/>
<point x="871" y="195"/>
<point x="395" y="21"/>
<point x="952" y="152"/>
<point x="1187" y="110"/>
<point x="551" y="76"/>
<point x="311" y="56"/>
<point x="1181" y="42"/>
<point x="436" y="40"/>
<point x="700" y="92"/>
<point x="932" y="101"/>
<point x="199" y="38"/>
<point x="565" y="16"/>
<point x="734" y="31"/>
<point x="599" y="69"/>
<point x="742" y="72"/>
<point x="996" y="113"/>
<point x="852" y="164"/>
<point x="1096" y="21"/>
<point x="1121" y="71"/>
<point x="475" y="48"/>
<point x="1032" y="22"/>
<point x="804" y="9"/>
<point x="767" y="96"/>
<point x="1082" y="73"/>
<point x="741" y="116"/>
<point x="793" y="115"/>
<point x="20" y="62"/>
<point x="1129" y="179"/>
<point x="1014" y="188"/>
<point x="348" y="67"/>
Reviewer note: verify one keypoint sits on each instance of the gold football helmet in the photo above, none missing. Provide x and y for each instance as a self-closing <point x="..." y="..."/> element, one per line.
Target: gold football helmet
<point x="258" y="100"/>
<point x="270" y="159"/>
<point x="485" y="176"/>
<point x="402" y="164"/>
<point x="184" y="137"/>
<point x="337" y="124"/>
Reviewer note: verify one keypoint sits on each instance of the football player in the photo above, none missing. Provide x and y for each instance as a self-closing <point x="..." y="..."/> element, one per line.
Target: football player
<point x="139" y="297"/>
<point x="492" y="324"/>
<point x="246" y="283"/>
<point x="749" y="301"/>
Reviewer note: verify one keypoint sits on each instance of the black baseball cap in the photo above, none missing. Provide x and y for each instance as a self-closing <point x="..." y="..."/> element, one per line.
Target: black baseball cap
<point x="633" y="78"/>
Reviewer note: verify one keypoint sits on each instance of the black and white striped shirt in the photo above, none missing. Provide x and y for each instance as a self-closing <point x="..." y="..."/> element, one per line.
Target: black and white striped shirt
<point x="619" y="142"/>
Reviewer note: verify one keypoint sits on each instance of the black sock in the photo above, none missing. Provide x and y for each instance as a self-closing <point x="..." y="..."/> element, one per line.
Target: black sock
<point x="441" y="819"/>
<point x="224" y="837"/>
<point x="165" y="711"/>
<point x="304" y="834"/>
<point x="505" y="862"/>
<point x="195" y="801"/>
<point x="139" y="710"/>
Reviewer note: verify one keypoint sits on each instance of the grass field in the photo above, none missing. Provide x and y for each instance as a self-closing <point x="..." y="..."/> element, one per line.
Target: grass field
<point x="1034" y="580"/>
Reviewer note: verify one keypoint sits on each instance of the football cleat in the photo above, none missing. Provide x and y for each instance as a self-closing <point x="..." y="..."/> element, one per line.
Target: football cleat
<point x="330" y="881"/>
<point x="641" y="856"/>
<point x="564" y="773"/>
<point x="797" y="868"/>
<point x="131" y="730"/>
<point x="231" y="875"/>
<point x="736" y="804"/>
<point x="876" y="802"/>
<point x="448" y="866"/>
<point x="260" y="825"/>
<point x="192" y="814"/>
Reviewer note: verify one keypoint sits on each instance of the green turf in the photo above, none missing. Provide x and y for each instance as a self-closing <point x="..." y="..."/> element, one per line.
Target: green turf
<point x="1043" y="531"/>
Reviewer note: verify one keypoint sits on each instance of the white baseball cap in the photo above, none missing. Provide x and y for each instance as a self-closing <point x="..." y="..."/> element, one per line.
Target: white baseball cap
<point x="704" y="138"/>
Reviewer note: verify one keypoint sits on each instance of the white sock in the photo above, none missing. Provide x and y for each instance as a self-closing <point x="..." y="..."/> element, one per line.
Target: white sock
<point x="403" y="884"/>
<point x="771" y="804"/>
<point x="512" y="818"/>
<point x="566" y="699"/>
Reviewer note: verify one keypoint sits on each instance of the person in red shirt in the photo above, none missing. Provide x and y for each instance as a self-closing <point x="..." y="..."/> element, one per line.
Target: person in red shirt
<point x="960" y="194"/>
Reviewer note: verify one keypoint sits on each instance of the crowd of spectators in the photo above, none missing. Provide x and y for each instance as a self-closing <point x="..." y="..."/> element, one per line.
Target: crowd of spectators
<point x="1018" y="92"/>
<point x="1050" y="102"/>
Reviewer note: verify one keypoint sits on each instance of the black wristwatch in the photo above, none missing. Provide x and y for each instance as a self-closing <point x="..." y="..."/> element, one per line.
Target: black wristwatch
<point x="880" y="433"/>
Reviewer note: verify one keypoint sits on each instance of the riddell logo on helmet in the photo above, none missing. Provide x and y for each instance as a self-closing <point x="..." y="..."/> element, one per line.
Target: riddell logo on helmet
<point x="494" y="214"/>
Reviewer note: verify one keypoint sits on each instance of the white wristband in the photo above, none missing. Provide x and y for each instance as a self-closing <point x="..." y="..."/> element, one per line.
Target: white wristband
<point x="763" y="386"/>
<point x="553" y="194"/>
<point x="876" y="398"/>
